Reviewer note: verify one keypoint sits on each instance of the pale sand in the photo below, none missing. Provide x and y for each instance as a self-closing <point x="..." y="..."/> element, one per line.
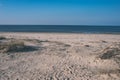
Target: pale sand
<point x="62" y="56"/>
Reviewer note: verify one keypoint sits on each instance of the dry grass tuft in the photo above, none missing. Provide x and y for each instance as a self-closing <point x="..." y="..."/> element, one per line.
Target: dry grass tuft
<point x="110" y="52"/>
<point x="2" y="38"/>
<point x="11" y="46"/>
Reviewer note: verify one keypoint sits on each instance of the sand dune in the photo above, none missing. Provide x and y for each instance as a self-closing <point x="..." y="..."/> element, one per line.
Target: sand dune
<point x="62" y="56"/>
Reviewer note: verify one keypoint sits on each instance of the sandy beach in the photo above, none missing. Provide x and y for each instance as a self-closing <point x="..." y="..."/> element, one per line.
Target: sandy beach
<point x="61" y="56"/>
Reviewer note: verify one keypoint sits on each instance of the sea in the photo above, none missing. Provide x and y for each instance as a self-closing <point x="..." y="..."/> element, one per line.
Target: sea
<point x="61" y="29"/>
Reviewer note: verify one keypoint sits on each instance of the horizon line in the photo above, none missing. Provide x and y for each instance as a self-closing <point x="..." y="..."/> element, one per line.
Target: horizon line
<point x="51" y="25"/>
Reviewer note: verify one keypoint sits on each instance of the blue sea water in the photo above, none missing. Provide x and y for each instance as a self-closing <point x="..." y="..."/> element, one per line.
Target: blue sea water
<point x="60" y="28"/>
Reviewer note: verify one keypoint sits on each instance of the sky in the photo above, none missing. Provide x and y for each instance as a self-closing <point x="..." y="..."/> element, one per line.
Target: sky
<point x="60" y="12"/>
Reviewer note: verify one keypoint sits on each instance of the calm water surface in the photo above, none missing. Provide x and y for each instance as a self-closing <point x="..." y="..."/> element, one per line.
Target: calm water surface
<point x="60" y="28"/>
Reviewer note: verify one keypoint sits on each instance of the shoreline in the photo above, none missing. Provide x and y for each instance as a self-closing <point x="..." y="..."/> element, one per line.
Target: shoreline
<point x="65" y="33"/>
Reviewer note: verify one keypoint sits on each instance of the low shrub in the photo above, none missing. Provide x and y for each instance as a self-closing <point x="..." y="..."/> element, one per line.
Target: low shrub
<point x="2" y="38"/>
<point x="12" y="46"/>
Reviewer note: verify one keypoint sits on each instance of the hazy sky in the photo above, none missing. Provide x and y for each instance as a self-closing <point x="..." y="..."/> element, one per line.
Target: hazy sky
<point x="63" y="12"/>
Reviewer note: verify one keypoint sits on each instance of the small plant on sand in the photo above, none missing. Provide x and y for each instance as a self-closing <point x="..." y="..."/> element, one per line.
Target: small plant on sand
<point x="12" y="46"/>
<point x="110" y="53"/>
<point x="2" y="38"/>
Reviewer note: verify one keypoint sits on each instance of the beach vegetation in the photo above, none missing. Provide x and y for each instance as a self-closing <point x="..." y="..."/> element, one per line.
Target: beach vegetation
<point x="2" y="38"/>
<point x="11" y="46"/>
